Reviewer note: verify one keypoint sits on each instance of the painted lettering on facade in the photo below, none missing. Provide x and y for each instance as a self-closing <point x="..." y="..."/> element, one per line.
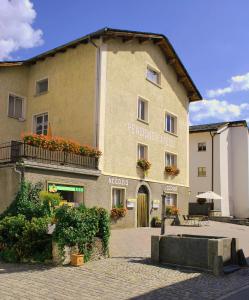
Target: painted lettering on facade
<point x="170" y="188"/>
<point x="151" y="135"/>
<point x="118" y="181"/>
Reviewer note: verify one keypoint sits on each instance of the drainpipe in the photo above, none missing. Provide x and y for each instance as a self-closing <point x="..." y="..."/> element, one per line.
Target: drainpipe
<point x="212" y="173"/>
<point x="97" y="91"/>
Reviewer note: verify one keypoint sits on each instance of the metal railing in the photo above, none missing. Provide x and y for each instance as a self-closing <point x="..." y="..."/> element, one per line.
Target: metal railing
<point x="16" y="151"/>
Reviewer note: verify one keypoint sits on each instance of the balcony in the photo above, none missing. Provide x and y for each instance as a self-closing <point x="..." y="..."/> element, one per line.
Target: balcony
<point x="19" y="151"/>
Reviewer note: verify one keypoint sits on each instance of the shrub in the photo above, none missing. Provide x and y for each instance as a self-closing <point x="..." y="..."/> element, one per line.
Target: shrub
<point x="79" y="226"/>
<point x="24" y="240"/>
<point x="156" y="222"/>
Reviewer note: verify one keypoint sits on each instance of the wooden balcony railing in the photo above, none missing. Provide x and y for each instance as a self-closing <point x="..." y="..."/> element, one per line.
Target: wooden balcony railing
<point x="17" y="151"/>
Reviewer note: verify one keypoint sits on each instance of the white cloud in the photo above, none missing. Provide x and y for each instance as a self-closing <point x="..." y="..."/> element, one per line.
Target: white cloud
<point x="237" y="83"/>
<point x="16" y="31"/>
<point x="218" y="110"/>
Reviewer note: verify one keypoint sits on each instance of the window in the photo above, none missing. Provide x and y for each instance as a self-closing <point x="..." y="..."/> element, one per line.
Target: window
<point x="170" y="159"/>
<point x="171" y="200"/>
<point x="15" y="109"/>
<point x="118" y="197"/>
<point x="202" y="172"/>
<point x="201" y="147"/>
<point x="153" y="76"/>
<point x="170" y="123"/>
<point x="142" y="151"/>
<point x="41" y="124"/>
<point x="41" y="86"/>
<point x="142" y="110"/>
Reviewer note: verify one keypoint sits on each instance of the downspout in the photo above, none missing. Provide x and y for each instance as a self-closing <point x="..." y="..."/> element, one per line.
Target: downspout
<point x="97" y="92"/>
<point x="212" y="159"/>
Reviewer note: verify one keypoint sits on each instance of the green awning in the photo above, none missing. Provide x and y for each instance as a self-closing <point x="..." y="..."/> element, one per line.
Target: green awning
<point x="72" y="188"/>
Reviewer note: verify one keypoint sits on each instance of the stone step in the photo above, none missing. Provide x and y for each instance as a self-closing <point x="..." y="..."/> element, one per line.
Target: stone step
<point x="230" y="269"/>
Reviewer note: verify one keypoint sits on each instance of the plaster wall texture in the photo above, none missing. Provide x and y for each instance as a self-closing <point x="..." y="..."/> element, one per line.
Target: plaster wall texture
<point x="69" y="102"/>
<point x="9" y="184"/>
<point x="12" y="80"/>
<point x="126" y="78"/>
<point x="231" y="169"/>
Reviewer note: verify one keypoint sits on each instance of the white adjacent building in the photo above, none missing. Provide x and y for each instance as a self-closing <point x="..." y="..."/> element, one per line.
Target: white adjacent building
<point x="219" y="161"/>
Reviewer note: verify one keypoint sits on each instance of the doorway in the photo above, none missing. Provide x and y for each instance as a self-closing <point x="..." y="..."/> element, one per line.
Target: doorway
<point x="143" y="207"/>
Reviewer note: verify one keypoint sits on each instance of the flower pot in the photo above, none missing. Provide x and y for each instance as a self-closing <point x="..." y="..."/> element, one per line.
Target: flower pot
<point x="77" y="260"/>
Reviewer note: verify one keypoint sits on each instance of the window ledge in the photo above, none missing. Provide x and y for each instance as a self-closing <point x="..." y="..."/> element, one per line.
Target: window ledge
<point x="174" y="134"/>
<point x="156" y="84"/>
<point x="40" y="94"/>
<point x="142" y="121"/>
<point x="18" y="119"/>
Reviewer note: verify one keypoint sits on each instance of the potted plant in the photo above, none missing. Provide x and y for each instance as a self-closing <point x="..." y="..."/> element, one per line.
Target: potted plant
<point x="77" y="259"/>
<point x="144" y="164"/>
<point x="156" y="222"/>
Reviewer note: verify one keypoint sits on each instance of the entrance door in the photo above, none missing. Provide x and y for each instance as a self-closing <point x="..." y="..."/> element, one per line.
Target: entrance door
<point x="142" y="207"/>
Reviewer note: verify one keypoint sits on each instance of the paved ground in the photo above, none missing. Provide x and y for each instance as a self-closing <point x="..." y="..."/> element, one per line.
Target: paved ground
<point x="127" y="277"/>
<point x="136" y="242"/>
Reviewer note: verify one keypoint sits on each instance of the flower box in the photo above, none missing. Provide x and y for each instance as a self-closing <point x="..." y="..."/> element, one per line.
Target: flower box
<point x="77" y="260"/>
<point x="172" y="170"/>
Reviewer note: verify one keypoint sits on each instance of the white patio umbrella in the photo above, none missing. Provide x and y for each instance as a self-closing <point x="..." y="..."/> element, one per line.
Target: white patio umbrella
<point x="209" y="195"/>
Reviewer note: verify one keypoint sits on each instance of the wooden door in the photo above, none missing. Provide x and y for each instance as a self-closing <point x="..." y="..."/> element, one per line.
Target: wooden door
<point x="142" y="210"/>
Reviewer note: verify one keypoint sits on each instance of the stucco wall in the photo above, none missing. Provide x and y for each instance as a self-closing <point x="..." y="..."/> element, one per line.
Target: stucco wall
<point x="126" y="78"/>
<point x="239" y="168"/>
<point x="199" y="159"/>
<point x="9" y="184"/>
<point x="12" y="80"/>
<point x="70" y="100"/>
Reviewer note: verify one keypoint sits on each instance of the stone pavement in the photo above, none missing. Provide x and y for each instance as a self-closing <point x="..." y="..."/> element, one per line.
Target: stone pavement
<point x="136" y="242"/>
<point x="127" y="277"/>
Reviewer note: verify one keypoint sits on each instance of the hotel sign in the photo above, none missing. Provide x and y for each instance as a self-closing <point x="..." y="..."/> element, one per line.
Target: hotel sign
<point x="118" y="181"/>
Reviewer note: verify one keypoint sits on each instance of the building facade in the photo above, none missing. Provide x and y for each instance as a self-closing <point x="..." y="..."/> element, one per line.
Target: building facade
<point x="219" y="162"/>
<point x="126" y="93"/>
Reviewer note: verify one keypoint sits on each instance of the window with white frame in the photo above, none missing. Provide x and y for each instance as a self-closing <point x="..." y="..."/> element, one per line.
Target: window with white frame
<point x="170" y="159"/>
<point x="41" y="124"/>
<point x="142" y="110"/>
<point x="142" y="151"/>
<point x="153" y="75"/>
<point x="118" y="197"/>
<point x="171" y="200"/>
<point x="15" y="107"/>
<point x="41" y="86"/>
<point x="202" y="172"/>
<point x="170" y="123"/>
<point x="202" y="147"/>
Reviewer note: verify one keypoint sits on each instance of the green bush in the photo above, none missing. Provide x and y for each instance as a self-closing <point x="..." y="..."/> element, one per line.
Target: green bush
<point x="24" y="240"/>
<point x="23" y="226"/>
<point x="79" y="226"/>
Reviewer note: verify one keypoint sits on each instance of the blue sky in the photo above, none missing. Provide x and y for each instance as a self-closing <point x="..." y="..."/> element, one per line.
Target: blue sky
<point x="211" y="37"/>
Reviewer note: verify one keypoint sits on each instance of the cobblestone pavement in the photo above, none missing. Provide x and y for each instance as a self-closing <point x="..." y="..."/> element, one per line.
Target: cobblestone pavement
<point x="129" y="276"/>
<point x="115" y="278"/>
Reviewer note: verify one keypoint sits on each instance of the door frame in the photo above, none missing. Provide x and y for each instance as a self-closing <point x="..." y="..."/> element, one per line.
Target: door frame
<point x="149" y="202"/>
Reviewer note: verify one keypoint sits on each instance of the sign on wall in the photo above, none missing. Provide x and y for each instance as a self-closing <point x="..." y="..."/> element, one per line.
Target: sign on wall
<point x="170" y="188"/>
<point x="118" y="181"/>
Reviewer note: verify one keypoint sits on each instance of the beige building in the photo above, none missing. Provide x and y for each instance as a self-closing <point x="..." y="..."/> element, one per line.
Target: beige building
<point x="126" y="93"/>
<point x="219" y="162"/>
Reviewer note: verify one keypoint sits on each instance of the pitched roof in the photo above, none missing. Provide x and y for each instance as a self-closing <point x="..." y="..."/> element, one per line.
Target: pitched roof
<point x="216" y="126"/>
<point x="109" y="33"/>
